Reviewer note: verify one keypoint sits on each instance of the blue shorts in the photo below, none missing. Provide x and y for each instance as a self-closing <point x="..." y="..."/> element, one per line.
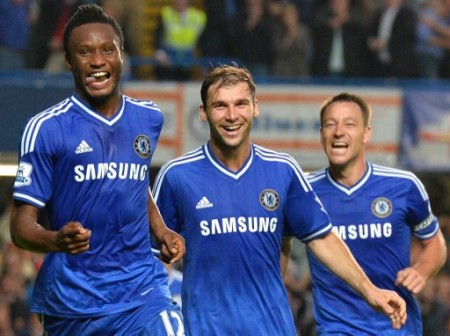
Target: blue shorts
<point x="140" y="321"/>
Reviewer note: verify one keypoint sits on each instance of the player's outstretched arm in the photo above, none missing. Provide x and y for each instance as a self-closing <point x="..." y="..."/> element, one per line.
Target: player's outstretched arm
<point x="28" y="234"/>
<point x="334" y="254"/>
<point x="171" y="244"/>
<point x="431" y="258"/>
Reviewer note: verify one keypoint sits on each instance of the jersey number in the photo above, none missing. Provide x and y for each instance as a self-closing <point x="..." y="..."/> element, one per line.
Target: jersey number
<point x="168" y="325"/>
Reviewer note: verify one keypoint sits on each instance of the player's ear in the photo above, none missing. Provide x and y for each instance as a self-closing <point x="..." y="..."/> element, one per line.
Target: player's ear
<point x="202" y="110"/>
<point x="367" y="134"/>
<point x="122" y="55"/>
<point x="68" y="61"/>
<point x="255" y="109"/>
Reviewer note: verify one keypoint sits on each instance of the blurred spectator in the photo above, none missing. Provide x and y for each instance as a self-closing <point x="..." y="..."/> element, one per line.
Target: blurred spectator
<point x="45" y="49"/>
<point x="297" y="281"/>
<point x="447" y="324"/>
<point x="429" y="51"/>
<point x="5" y="322"/>
<point x="17" y="272"/>
<point x="252" y="37"/>
<point x="443" y="288"/>
<point x="216" y="40"/>
<point x="433" y="310"/>
<point x="176" y="40"/>
<point x="441" y="36"/>
<point x="5" y="215"/>
<point x="291" y="41"/>
<point x="38" y="49"/>
<point x="307" y="9"/>
<point x="444" y="222"/>
<point x="14" y="33"/>
<point x="56" y="61"/>
<point x="340" y="32"/>
<point x="129" y="14"/>
<point x="369" y="7"/>
<point x="17" y="275"/>
<point x="393" y="41"/>
<point x="443" y="294"/>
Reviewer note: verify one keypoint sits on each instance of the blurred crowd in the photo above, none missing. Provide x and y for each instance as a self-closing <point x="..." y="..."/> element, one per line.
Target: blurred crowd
<point x="279" y="38"/>
<point x="18" y="269"/>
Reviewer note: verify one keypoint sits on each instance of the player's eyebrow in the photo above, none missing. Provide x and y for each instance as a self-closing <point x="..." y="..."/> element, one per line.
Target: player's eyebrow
<point x="217" y="103"/>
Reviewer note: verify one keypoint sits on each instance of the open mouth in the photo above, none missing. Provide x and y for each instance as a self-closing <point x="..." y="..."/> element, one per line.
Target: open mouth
<point x="231" y="128"/>
<point x="97" y="77"/>
<point x="339" y="144"/>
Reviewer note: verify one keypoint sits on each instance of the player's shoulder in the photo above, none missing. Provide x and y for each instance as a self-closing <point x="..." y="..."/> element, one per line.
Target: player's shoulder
<point x="317" y="175"/>
<point x="398" y="177"/>
<point x="50" y="117"/>
<point x="58" y="109"/>
<point x="45" y="126"/>
<point x="178" y="168"/>
<point x="282" y="163"/>
<point x="184" y="160"/>
<point x="147" y="110"/>
<point x="391" y="172"/>
<point x="142" y="104"/>
<point x="270" y="155"/>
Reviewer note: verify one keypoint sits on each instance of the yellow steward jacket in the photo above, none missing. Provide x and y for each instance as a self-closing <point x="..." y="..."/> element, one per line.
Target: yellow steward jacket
<point x="181" y="31"/>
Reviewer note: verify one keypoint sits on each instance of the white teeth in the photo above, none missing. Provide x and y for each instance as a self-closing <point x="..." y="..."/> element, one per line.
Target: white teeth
<point x="232" y="128"/>
<point x="339" y="144"/>
<point x="98" y="74"/>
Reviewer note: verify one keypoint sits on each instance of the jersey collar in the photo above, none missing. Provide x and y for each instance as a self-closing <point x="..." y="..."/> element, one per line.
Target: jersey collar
<point x="80" y="103"/>
<point x="216" y="163"/>
<point x="358" y="185"/>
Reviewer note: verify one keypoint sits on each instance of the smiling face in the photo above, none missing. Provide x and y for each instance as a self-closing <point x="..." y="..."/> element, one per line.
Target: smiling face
<point x="229" y="111"/>
<point x="95" y="59"/>
<point x="344" y="135"/>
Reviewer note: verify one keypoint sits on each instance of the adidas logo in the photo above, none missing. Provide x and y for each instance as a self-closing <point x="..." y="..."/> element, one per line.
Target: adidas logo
<point x="83" y="147"/>
<point x="204" y="203"/>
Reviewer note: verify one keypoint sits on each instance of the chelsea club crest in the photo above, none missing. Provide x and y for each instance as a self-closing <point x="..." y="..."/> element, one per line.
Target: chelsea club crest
<point x="142" y="146"/>
<point x="269" y="199"/>
<point x="381" y="207"/>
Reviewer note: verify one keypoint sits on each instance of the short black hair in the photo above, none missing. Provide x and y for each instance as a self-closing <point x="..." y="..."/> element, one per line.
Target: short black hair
<point x="91" y="13"/>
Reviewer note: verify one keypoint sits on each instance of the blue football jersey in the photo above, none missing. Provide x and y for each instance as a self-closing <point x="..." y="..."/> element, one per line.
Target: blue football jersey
<point x="376" y="218"/>
<point x="95" y="170"/>
<point x="233" y="223"/>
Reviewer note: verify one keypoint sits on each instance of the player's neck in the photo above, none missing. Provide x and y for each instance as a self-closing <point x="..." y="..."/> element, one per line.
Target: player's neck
<point x="350" y="174"/>
<point x="106" y="106"/>
<point x="231" y="157"/>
